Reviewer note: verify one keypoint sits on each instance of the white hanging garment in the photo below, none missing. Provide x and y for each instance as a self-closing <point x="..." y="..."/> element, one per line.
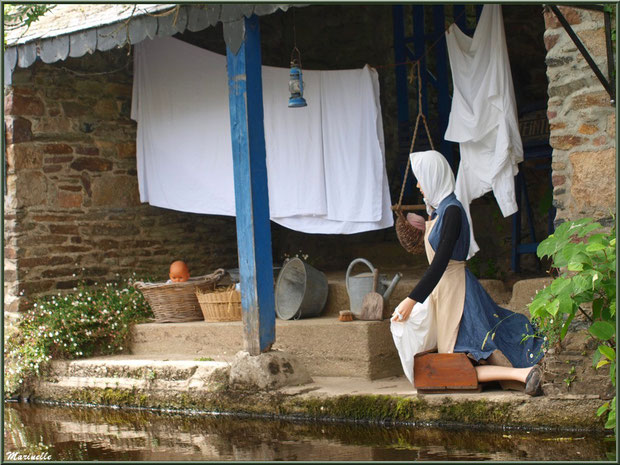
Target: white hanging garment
<point x="483" y="118"/>
<point x="184" y="151"/>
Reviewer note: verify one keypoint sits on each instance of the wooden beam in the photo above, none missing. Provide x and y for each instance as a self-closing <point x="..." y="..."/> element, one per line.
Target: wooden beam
<point x="251" y="194"/>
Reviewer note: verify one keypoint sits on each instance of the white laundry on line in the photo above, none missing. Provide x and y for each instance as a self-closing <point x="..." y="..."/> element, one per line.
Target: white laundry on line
<point x="322" y="177"/>
<point x="483" y="117"/>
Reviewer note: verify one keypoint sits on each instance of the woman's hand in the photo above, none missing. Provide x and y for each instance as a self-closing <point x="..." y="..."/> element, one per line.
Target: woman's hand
<point x="403" y="310"/>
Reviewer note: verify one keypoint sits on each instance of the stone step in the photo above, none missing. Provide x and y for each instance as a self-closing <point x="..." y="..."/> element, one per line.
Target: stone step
<point x="66" y="377"/>
<point x="324" y="345"/>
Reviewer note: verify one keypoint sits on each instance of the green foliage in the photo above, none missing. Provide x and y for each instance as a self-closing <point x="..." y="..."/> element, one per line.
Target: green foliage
<point x="16" y="16"/>
<point x="585" y="257"/>
<point x="89" y="321"/>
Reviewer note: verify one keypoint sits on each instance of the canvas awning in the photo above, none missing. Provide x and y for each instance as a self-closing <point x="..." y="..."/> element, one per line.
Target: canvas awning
<point x="70" y="30"/>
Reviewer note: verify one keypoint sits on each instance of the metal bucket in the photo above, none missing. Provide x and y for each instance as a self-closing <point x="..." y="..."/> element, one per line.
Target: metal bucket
<point x="301" y="291"/>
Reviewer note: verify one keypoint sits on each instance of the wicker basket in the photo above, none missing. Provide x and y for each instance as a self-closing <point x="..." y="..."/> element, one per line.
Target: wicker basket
<point x="176" y="302"/>
<point x="223" y="304"/>
<point x="410" y="237"/>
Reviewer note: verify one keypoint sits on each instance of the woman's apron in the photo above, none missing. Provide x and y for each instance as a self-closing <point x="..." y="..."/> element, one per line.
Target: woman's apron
<point x="448" y="297"/>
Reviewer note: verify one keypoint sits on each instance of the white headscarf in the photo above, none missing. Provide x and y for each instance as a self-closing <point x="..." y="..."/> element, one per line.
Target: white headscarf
<point x="436" y="179"/>
<point x="435" y="176"/>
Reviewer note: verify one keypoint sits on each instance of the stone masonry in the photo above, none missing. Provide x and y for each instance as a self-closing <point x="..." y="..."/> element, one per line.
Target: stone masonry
<point x="72" y="208"/>
<point x="582" y="119"/>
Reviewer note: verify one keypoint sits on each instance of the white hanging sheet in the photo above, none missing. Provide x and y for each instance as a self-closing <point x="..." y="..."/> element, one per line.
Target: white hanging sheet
<point x="183" y="145"/>
<point x="325" y="162"/>
<point x="483" y="117"/>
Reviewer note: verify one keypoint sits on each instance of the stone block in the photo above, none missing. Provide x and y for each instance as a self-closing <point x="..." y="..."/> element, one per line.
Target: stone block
<point x="565" y="142"/>
<point x="63" y="229"/>
<point x="18" y="130"/>
<point x="588" y="129"/>
<point x="51" y="126"/>
<point x="57" y="149"/>
<point x="31" y="189"/>
<point x="66" y="199"/>
<point x="106" y="108"/>
<point x="564" y="90"/>
<point x="88" y="87"/>
<point x="267" y="371"/>
<point x="611" y="126"/>
<point x="24" y="156"/>
<point x="72" y="109"/>
<point x="558" y="180"/>
<point x="551" y="40"/>
<point x="22" y="105"/>
<point x="589" y="99"/>
<point x="578" y="342"/>
<point x="119" y="191"/>
<point x="52" y="168"/>
<point x="553" y="62"/>
<point x="58" y="159"/>
<point x="117" y="90"/>
<point x="86" y="150"/>
<point x="594" y="41"/>
<point x="594" y="178"/>
<point x="571" y="14"/>
<point x="91" y="164"/>
<point x="524" y="291"/>
<point x="126" y="150"/>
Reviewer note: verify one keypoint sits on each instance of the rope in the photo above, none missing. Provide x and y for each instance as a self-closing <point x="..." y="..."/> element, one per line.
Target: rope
<point x="415" y="133"/>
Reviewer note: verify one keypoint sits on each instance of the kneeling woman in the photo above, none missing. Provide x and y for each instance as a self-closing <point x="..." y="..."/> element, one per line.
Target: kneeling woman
<point x="467" y="319"/>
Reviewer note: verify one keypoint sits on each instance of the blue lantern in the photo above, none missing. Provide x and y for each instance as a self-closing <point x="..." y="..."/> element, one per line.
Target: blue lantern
<point x="296" y="84"/>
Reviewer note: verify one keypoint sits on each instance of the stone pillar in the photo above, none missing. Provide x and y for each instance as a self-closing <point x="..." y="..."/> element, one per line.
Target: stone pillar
<point x="581" y="118"/>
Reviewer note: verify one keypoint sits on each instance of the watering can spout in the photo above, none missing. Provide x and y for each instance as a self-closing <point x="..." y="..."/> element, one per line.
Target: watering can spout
<point x="388" y="291"/>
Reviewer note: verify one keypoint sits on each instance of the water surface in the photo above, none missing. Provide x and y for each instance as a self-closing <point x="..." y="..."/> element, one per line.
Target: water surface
<point x="84" y="433"/>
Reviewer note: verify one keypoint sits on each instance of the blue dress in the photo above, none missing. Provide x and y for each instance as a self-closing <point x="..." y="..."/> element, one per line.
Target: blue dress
<point x="481" y="315"/>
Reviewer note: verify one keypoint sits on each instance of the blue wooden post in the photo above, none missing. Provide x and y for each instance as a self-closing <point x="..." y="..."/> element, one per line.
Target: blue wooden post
<point x="251" y="196"/>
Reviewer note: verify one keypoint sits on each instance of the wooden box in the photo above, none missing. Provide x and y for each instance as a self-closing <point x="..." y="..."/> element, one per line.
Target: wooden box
<point x="436" y="373"/>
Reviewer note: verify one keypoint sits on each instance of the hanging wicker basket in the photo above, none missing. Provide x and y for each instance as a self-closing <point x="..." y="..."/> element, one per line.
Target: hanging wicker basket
<point x="222" y="304"/>
<point x="410" y="237"/>
<point x="177" y="302"/>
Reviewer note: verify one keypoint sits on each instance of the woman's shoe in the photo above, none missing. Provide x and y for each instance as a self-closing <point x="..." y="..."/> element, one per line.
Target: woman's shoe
<point x="533" y="382"/>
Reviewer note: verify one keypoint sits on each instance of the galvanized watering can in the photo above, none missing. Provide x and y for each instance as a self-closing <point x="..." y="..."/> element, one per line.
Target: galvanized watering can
<point x="361" y="284"/>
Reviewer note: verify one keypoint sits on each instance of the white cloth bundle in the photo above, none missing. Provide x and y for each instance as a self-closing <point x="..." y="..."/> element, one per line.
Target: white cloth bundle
<point x="414" y="335"/>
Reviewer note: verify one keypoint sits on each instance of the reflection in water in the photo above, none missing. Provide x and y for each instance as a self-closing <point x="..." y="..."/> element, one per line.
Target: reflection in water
<point x="69" y="433"/>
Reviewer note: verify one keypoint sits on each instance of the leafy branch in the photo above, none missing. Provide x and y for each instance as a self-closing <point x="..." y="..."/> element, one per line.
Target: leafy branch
<point x="585" y="258"/>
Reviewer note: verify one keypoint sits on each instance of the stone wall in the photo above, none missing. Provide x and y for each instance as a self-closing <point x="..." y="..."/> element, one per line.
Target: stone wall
<point x="72" y="203"/>
<point x="72" y="208"/>
<point x="582" y="119"/>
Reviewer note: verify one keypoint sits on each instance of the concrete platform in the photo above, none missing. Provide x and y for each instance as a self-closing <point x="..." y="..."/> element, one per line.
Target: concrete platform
<point x="192" y="386"/>
<point x="324" y="345"/>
